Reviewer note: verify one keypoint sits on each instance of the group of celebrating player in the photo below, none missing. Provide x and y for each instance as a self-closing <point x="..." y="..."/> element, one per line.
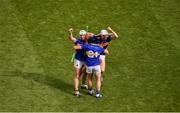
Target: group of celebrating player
<point x="90" y="58"/>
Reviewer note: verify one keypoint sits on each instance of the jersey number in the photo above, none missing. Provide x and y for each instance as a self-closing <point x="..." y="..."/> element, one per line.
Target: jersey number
<point x="92" y="54"/>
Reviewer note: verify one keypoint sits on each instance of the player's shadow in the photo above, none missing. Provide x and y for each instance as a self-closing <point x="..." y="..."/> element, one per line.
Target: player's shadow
<point x="46" y="80"/>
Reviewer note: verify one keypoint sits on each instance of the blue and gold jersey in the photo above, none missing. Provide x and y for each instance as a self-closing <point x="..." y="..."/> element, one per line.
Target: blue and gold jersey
<point x="92" y="54"/>
<point x="101" y="41"/>
<point x="80" y="54"/>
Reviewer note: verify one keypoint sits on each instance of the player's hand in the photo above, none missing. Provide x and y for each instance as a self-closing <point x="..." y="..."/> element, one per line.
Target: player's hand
<point x="77" y="47"/>
<point x="71" y="30"/>
<point x="109" y="28"/>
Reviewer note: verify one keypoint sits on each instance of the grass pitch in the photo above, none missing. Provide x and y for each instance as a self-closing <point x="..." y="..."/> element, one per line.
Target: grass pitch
<point x="143" y="67"/>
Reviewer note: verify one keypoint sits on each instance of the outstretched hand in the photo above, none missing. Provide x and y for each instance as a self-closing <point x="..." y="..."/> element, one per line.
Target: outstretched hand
<point x="71" y="30"/>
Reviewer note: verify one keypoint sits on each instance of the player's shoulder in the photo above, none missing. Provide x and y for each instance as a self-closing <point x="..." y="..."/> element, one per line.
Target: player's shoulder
<point x="85" y="46"/>
<point x="99" y="49"/>
<point x="97" y="36"/>
<point x="109" y="38"/>
<point x="79" y="40"/>
<point x="97" y="46"/>
<point x="110" y="35"/>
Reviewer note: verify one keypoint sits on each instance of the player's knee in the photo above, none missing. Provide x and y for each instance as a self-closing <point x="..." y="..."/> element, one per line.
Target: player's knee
<point x="102" y="68"/>
<point x="102" y="71"/>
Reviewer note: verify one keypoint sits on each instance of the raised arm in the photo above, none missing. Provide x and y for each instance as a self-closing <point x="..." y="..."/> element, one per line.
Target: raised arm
<point x="71" y="35"/>
<point x="114" y="34"/>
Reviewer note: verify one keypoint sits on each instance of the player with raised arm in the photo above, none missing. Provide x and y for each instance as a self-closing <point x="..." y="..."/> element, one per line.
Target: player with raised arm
<point x="104" y="39"/>
<point x="79" y="60"/>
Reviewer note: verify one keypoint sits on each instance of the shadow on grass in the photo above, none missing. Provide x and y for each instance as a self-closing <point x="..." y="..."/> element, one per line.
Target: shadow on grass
<point x="49" y="80"/>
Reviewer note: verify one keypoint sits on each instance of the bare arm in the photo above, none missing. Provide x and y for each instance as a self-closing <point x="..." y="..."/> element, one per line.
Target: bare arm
<point x="77" y="47"/>
<point x="114" y="34"/>
<point x="71" y="35"/>
<point x="106" y="51"/>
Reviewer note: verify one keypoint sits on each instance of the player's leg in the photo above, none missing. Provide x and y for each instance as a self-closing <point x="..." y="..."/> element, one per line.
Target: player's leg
<point x="84" y="77"/>
<point x="77" y="65"/>
<point x="89" y="71"/>
<point x="102" y="65"/>
<point x="90" y="81"/>
<point x="76" y="82"/>
<point x="98" y="81"/>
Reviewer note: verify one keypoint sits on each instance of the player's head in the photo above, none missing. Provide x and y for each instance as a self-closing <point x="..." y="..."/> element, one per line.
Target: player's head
<point x="104" y="33"/>
<point x="82" y="34"/>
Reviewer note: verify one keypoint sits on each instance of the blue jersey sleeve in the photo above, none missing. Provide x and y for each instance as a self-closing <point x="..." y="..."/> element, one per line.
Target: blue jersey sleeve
<point x="101" y="50"/>
<point x="78" y="41"/>
<point x="109" y="38"/>
<point x="84" y="46"/>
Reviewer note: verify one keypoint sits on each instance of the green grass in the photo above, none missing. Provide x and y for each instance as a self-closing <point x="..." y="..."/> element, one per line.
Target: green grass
<point x="143" y="67"/>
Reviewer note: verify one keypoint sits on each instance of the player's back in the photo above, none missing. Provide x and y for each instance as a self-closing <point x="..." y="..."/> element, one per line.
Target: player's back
<point x="92" y="54"/>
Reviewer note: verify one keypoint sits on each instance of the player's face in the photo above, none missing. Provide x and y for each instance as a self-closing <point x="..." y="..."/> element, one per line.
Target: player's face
<point x="104" y="36"/>
<point x="83" y="37"/>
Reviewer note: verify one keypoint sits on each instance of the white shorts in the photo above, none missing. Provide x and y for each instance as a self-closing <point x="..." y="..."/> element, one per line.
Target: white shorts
<point x="102" y="57"/>
<point x="78" y="64"/>
<point x="93" y="69"/>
